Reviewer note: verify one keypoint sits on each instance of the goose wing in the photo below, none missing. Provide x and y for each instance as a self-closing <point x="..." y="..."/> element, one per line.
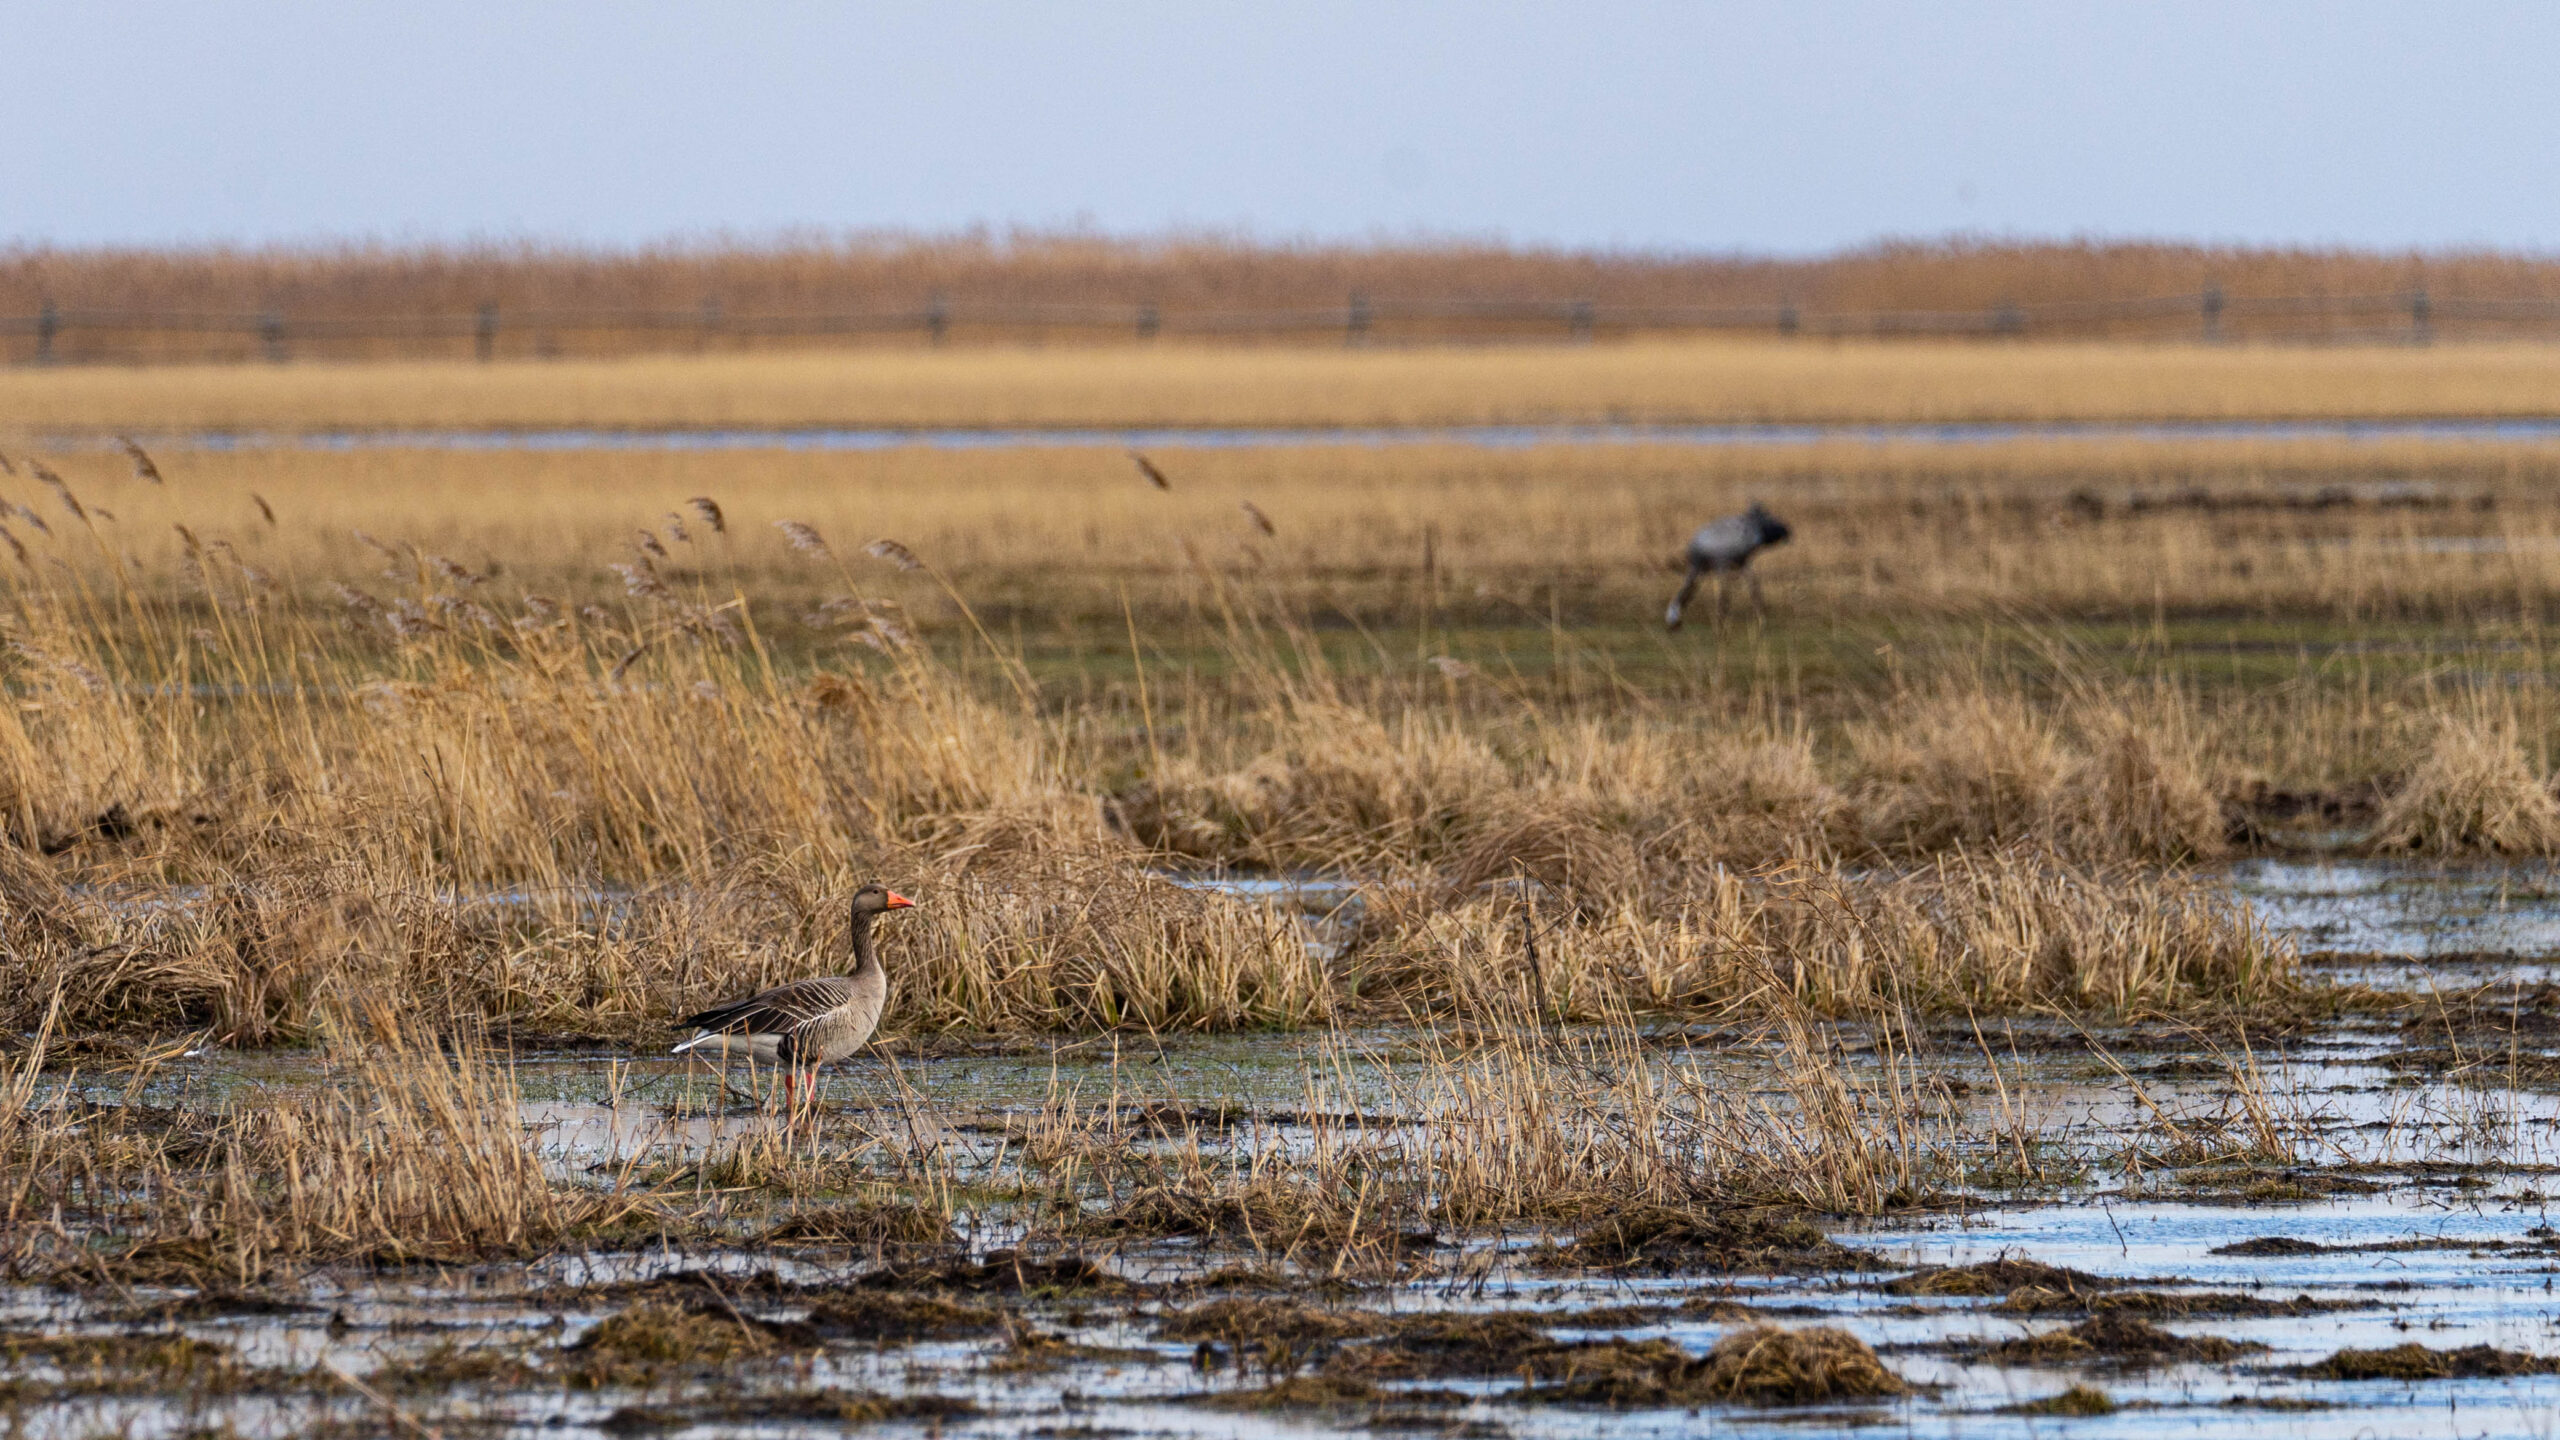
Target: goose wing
<point x="783" y="1010"/>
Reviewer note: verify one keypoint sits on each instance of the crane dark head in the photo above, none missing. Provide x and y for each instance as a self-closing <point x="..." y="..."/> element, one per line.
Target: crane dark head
<point x="1773" y="531"/>
<point x="875" y="898"/>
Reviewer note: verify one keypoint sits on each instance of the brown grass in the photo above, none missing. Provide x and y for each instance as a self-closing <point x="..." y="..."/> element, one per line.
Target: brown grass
<point x="2413" y="1362"/>
<point x="752" y="731"/>
<point x="1647" y="380"/>
<point x="2473" y="790"/>
<point x="415" y="1155"/>
<point x="1918" y="785"/>
<point x="1050" y="540"/>
<point x="1766" y="1365"/>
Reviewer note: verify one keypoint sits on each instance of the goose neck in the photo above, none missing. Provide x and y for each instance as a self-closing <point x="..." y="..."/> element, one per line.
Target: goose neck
<point x="864" y="957"/>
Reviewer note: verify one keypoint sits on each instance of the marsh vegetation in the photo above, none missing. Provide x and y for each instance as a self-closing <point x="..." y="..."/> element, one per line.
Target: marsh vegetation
<point x="1365" y="970"/>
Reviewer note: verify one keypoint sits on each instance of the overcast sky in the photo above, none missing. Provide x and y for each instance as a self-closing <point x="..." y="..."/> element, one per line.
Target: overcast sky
<point x="1775" y="127"/>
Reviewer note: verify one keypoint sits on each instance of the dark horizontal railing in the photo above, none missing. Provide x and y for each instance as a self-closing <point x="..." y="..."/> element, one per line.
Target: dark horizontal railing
<point x="59" y="334"/>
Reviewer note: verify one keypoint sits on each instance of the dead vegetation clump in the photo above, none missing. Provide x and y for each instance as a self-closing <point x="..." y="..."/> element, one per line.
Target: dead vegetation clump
<point x="2120" y="1340"/>
<point x="1763" y="1365"/>
<point x="2262" y="1245"/>
<point x="1241" y="1319"/>
<point x="2165" y="1305"/>
<point x="2414" y="1361"/>
<point x="651" y="1341"/>
<point x="1326" y="1392"/>
<point x="2142" y="792"/>
<point x="1970" y="769"/>
<point x="870" y="1225"/>
<point x="1720" y="1241"/>
<point x="1005" y="1272"/>
<point x="448" y="1364"/>
<point x="1094" y="942"/>
<point x="892" y="1319"/>
<point x="1337" y="787"/>
<point x="2006" y="1275"/>
<point x="1448" y="1344"/>
<point x="161" y="1362"/>
<point x="816" y="1407"/>
<point x="1598" y="812"/>
<point x="2079" y="1402"/>
<point x="1278" y="1216"/>
<point x="1766" y="1365"/>
<point x="2473" y="791"/>
<point x="1998" y="930"/>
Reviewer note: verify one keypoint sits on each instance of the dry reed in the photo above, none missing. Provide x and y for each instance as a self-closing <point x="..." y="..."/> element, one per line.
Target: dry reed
<point x="414" y="1154"/>
<point x="1642" y="381"/>
<point x="2474" y="790"/>
<point x="431" y="767"/>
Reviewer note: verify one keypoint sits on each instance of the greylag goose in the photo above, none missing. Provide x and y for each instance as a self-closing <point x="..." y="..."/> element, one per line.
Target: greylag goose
<point x="1724" y="548"/>
<point x="806" y="1023"/>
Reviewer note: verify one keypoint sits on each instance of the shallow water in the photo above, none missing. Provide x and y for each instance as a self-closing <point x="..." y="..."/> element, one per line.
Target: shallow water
<point x="2446" y="1298"/>
<point x="2507" y="912"/>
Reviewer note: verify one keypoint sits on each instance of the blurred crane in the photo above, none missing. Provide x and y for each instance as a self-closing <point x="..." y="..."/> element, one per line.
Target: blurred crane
<point x="1724" y="549"/>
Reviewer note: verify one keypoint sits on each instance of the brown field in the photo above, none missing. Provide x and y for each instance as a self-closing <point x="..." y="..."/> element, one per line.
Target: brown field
<point x="1642" y="381"/>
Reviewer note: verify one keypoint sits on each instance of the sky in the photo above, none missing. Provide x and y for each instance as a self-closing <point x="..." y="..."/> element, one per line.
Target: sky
<point x="1775" y="128"/>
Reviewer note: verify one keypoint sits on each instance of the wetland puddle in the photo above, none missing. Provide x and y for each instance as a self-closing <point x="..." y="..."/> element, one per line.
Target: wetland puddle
<point x="2334" y="1230"/>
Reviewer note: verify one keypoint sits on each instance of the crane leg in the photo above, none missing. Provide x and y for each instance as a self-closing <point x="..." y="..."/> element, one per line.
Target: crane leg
<point x="1680" y="602"/>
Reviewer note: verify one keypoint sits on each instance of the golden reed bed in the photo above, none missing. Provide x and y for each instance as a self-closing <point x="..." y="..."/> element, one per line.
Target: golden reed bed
<point x="1648" y="381"/>
<point x="335" y="685"/>
<point x="1052" y="544"/>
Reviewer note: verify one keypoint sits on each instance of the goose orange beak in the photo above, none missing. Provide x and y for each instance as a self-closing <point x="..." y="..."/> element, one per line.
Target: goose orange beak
<point x="900" y="902"/>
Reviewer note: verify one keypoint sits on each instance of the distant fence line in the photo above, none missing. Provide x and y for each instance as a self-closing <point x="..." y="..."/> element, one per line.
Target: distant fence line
<point x="59" y="335"/>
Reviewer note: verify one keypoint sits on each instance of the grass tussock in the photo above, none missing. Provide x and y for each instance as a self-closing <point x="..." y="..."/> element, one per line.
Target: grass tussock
<point x="2413" y="1362"/>
<point x="1763" y="1365"/>
<point x="650" y="1342"/>
<point x="2004" y="1276"/>
<point x="416" y="1154"/>
<point x="2472" y="791"/>
<point x="1327" y="1392"/>
<point x="2079" y="1402"/>
<point x="884" y="1319"/>
<point x="2001" y="930"/>
<point x="1766" y="1365"/>
<point x="831" y="1407"/>
<point x="2118" y="1339"/>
